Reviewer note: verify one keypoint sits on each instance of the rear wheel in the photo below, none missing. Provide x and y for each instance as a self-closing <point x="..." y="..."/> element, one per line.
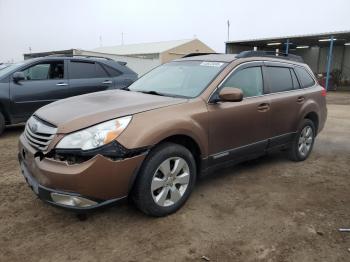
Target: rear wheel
<point x="2" y="123"/>
<point x="166" y="180"/>
<point x="303" y="141"/>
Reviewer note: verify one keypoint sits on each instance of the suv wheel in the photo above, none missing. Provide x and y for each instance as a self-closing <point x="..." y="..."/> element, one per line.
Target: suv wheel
<point x="2" y="123"/>
<point x="303" y="141"/>
<point x="165" y="181"/>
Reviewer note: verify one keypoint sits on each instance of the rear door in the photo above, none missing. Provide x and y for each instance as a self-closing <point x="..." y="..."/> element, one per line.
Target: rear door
<point x="87" y="77"/>
<point x="45" y="82"/>
<point x="286" y="98"/>
<point x="120" y="80"/>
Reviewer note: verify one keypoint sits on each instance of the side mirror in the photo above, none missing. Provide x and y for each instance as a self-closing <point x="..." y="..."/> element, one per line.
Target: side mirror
<point x="231" y="94"/>
<point x="18" y="76"/>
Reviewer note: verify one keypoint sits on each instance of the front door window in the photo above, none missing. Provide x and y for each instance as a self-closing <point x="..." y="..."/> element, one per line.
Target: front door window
<point x="45" y="71"/>
<point x="249" y="80"/>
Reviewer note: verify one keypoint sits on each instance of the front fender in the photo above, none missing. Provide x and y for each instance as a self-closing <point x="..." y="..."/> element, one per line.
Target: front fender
<point x="151" y="127"/>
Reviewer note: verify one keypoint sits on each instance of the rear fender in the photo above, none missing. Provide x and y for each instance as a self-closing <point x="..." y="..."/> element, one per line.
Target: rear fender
<point x="310" y="106"/>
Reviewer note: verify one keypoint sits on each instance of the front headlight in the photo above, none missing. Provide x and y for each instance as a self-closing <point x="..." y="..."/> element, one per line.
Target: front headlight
<point x="95" y="136"/>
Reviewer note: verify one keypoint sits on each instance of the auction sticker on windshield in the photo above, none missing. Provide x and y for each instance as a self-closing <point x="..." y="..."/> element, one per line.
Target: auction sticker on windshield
<point x="214" y="64"/>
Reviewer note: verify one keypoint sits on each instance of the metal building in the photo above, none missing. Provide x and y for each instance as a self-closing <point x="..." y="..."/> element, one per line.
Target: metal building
<point x="139" y="57"/>
<point x="164" y="51"/>
<point x="327" y="54"/>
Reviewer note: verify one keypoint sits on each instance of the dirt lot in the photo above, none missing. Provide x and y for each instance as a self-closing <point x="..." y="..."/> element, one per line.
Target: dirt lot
<point x="268" y="209"/>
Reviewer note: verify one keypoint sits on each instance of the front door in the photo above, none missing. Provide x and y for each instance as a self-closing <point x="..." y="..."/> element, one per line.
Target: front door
<point x="44" y="83"/>
<point x="238" y="129"/>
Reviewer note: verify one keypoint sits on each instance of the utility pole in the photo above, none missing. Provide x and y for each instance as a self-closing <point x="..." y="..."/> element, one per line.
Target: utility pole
<point x="122" y="38"/>
<point x="30" y="50"/>
<point x="228" y="30"/>
<point x="100" y="41"/>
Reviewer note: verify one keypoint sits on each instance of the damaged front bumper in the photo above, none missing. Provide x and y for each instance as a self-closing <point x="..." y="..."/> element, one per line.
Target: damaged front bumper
<point x="92" y="182"/>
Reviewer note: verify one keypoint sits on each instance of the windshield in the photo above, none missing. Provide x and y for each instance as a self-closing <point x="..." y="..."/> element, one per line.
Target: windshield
<point x="2" y="66"/>
<point x="183" y="79"/>
<point x="9" y="68"/>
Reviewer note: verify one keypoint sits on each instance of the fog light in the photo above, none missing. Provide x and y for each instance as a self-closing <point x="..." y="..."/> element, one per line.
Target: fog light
<point x="74" y="201"/>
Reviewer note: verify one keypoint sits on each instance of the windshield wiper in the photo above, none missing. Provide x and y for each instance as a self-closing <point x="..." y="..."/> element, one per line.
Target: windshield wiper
<point x="125" y="88"/>
<point x="151" y="92"/>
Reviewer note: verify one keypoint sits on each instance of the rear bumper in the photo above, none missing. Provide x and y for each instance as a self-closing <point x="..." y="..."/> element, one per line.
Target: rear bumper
<point x="97" y="182"/>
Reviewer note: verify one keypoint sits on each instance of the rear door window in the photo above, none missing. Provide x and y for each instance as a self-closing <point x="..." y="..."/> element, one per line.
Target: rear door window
<point x="280" y="79"/>
<point x="111" y="71"/>
<point x="249" y="80"/>
<point x="305" y="79"/>
<point x="100" y="71"/>
<point x="79" y="70"/>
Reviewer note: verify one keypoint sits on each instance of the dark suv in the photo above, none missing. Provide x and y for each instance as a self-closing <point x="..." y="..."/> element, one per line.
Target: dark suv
<point x="29" y="85"/>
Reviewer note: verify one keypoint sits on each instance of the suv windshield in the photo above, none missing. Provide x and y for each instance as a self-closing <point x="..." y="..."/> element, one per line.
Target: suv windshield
<point x="2" y="66"/>
<point x="183" y="78"/>
<point x="9" y="68"/>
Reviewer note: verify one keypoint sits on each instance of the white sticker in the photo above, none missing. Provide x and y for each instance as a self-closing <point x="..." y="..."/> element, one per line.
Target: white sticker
<point x="214" y="64"/>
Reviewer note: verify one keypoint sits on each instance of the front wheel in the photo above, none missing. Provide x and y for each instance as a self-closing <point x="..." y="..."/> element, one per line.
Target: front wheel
<point x="166" y="180"/>
<point x="303" y="141"/>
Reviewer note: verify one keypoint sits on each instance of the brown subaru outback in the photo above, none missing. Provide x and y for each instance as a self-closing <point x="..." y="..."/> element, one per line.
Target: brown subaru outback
<point x="153" y="140"/>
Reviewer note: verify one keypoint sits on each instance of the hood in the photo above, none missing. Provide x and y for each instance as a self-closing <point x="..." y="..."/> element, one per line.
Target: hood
<point x="78" y="112"/>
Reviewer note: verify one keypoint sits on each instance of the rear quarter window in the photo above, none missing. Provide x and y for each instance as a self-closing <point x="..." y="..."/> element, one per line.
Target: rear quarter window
<point x="304" y="77"/>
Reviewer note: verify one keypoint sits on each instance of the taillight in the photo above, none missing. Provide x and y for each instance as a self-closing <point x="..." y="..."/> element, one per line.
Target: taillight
<point x="324" y="91"/>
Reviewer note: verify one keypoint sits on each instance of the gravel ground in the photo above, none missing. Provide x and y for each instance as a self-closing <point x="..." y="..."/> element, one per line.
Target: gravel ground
<point x="269" y="209"/>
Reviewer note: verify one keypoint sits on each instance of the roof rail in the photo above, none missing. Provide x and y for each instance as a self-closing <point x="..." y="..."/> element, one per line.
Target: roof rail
<point x="88" y="56"/>
<point x="85" y="56"/>
<point x="262" y="53"/>
<point x="92" y="56"/>
<point x="197" y="54"/>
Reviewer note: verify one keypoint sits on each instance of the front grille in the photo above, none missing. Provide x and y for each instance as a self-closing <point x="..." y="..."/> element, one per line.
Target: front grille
<point x="38" y="133"/>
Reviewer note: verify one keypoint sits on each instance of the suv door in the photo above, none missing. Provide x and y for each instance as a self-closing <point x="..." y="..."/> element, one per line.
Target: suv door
<point x="286" y="99"/>
<point x="44" y="82"/>
<point x="87" y="77"/>
<point x="238" y="129"/>
<point x="120" y="80"/>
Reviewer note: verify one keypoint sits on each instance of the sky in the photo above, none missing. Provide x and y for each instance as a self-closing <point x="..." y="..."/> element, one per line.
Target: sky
<point x="46" y="25"/>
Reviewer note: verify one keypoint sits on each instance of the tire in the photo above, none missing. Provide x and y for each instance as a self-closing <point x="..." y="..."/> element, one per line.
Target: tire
<point x="160" y="191"/>
<point x="2" y="123"/>
<point x="303" y="141"/>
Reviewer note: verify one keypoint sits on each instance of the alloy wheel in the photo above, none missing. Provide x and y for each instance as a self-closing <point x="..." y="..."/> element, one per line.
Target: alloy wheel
<point x="170" y="181"/>
<point x="305" y="141"/>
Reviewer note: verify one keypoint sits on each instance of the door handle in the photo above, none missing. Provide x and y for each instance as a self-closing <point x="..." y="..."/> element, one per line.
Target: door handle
<point x="263" y="107"/>
<point x="61" y="84"/>
<point x="107" y="82"/>
<point x="300" y="99"/>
